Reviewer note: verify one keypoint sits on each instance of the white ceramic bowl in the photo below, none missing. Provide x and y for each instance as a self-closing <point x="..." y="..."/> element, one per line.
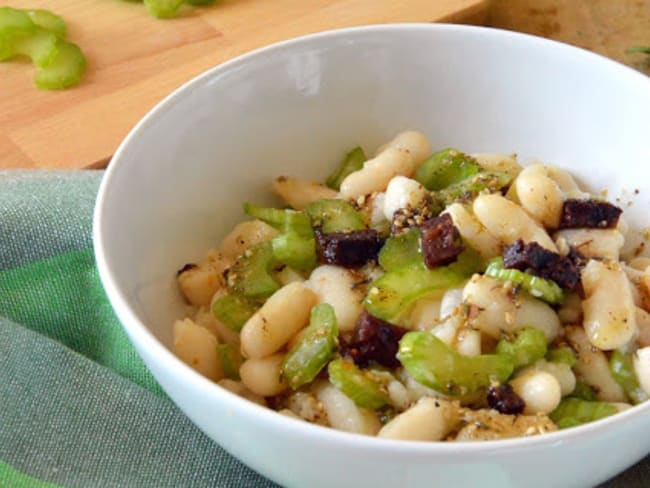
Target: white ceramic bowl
<point x="177" y="182"/>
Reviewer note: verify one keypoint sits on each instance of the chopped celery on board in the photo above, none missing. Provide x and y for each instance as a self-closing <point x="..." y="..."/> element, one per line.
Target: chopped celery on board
<point x="39" y="35"/>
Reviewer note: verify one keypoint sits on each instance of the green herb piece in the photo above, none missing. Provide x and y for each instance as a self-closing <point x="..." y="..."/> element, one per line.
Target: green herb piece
<point x="541" y="288"/>
<point x="525" y="348"/>
<point x="307" y="358"/>
<point x="445" y="168"/>
<point x="230" y="359"/>
<point x="353" y="162"/>
<point x="361" y="386"/>
<point x="334" y="216"/>
<point x="573" y="411"/>
<point x="234" y="310"/>
<point x="622" y="369"/>
<point x="431" y="362"/>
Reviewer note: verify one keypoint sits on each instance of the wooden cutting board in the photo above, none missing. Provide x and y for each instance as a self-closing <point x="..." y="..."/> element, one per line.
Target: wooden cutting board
<point x="136" y="60"/>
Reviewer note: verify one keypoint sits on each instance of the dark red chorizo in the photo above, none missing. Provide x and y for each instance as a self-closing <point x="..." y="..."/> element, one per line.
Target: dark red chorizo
<point x="348" y="249"/>
<point x="542" y="262"/>
<point x="441" y="241"/>
<point x="592" y="214"/>
<point x="374" y="341"/>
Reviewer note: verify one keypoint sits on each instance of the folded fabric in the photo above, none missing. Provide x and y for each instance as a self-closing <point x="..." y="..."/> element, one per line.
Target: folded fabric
<point x="77" y="406"/>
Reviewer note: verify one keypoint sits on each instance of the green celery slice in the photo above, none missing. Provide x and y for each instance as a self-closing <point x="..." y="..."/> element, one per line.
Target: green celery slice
<point x="230" y="359"/>
<point x="233" y="310"/>
<point x="573" y="411"/>
<point x="335" y="216"/>
<point x="446" y="168"/>
<point x="283" y="220"/>
<point x="295" y="250"/>
<point x="307" y="358"/>
<point x="353" y="161"/>
<point x="583" y="391"/>
<point x="467" y="190"/>
<point x="622" y="368"/>
<point x="563" y="354"/>
<point x="526" y="347"/>
<point x="48" y="21"/>
<point x="401" y="250"/>
<point x="364" y="389"/>
<point x="64" y="69"/>
<point x="431" y="362"/>
<point x="163" y="9"/>
<point x="250" y="275"/>
<point x="541" y="288"/>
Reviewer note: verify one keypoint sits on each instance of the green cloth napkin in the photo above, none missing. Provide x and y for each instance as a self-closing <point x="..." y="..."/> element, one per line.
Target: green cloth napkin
<point x="77" y="406"/>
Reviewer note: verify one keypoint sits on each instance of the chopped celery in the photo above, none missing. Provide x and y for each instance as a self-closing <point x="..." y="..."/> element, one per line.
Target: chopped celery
<point x="233" y="310"/>
<point x="295" y="250"/>
<point x="401" y="249"/>
<point x="335" y="216"/>
<point x="563" y="354"/>
<point x="541" y="288"/>
<point x="250" y="275"/>
<point x="622" y="369"/>
<point x="446" y="168"/>
<point x="583" y="391"/>
<point x="390" y="294"/>
<point x="163" y="9"/>
<point x="48" y="21"/>
<point x="201" y="2"/>
<point x="408" y="280"/>
<point x="311" y="354"/>
<point x="431" y="362"/>
<point x="64" y="69"/>
<point x="359" y="385"/>
<point x="38" y="34"/>
<point x="283" y="220"/>
<point x="230" y="359"/>
<point x="353" y="162"/>
<point x="527" y="346"/>
<point x="467" y="190"/>
<point x="573" y="411"/>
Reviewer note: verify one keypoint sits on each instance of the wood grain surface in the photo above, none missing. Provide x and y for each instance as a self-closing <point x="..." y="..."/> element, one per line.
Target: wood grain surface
<point x="136" y="60"/>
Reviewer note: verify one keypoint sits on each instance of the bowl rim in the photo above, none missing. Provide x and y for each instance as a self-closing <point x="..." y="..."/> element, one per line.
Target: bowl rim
<point x="138" y="331"/>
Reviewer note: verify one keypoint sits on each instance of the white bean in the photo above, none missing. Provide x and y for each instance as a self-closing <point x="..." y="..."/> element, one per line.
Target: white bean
<point x="468" y="342"/>
<point x="403" y="192"/>
<point x="539" y="195"/>
<point x="592" y="243"/>
<point x="566" y="183"/>
<point x="593" y="367"/>
<point x="263" y="376"/>
<point x="336" y="285"/>
<point x="509" y="222"/>
<point x="609" y="313"/>
<point x="643" y="324"/>
<point x="571" y="310"/>
<point x="200" y="282"/>
<point x="413" y="142"/>
<point x="342" y="412"/>
<point x="246" y="235"/>
<point x="429" y="419"/>
<point x="562" y="373"/>
<point x="539" y="390"/>
<point x="473" y="232"/>
<point x="377" y="172"/>
<point x="289" y="275"/>
<point x="299" y="193"/>
<point x="642" y="368"/>
<point x="271" y="327"/>
<point x="196" y="346"/>
<point x="497" y="310"/>
<point x="424" y="313"/>
<point x="502" y="163"/>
